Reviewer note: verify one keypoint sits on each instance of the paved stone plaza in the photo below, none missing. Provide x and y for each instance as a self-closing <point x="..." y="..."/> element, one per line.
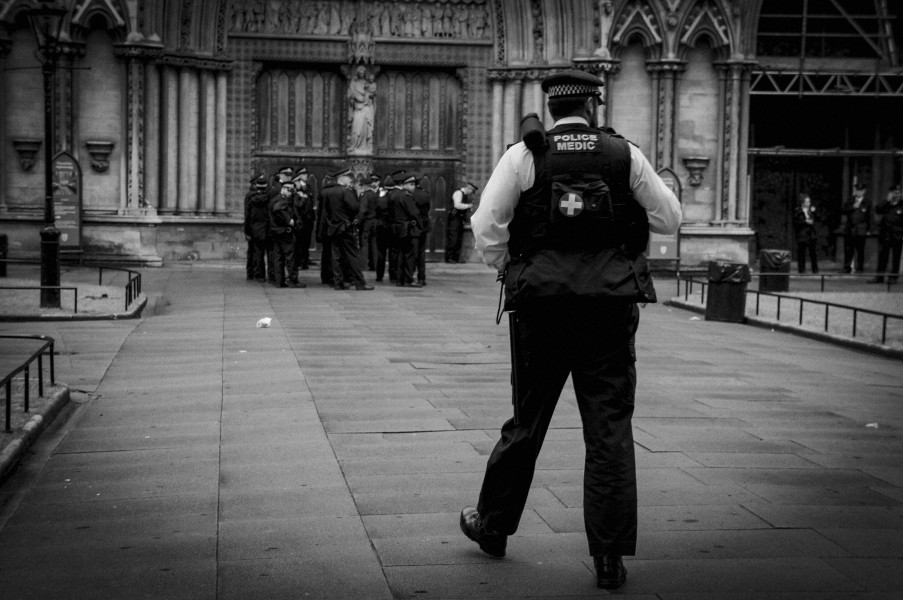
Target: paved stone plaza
<point x="328" y="455"/>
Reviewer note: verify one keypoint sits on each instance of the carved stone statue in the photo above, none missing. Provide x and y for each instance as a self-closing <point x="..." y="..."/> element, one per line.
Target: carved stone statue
<point x="361" y="109"/>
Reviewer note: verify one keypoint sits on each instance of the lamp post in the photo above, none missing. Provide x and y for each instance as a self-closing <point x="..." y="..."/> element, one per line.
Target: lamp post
<point x="47" y="22"/>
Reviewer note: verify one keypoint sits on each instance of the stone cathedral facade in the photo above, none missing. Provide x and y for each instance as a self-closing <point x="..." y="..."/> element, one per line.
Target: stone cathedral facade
<point x="170" y="106"/>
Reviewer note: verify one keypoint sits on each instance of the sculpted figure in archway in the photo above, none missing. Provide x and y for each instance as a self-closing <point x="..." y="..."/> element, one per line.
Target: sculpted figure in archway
<point x="361" y="105"/>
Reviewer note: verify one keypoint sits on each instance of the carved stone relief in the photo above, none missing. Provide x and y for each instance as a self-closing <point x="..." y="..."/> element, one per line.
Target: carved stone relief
<point x="361" y="110"/>
<point x="459" y="20"/>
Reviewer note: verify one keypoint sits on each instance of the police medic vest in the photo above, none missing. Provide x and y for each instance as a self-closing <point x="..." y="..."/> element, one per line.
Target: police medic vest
<point x="578" y="231"/>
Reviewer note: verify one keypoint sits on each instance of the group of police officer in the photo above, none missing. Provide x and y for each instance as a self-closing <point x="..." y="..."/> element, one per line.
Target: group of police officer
<point x="389" y="222"/>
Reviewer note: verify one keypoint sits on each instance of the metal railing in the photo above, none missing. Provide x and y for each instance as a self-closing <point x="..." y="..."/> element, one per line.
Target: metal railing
<point x="821" y="278"/>
<point x="67" y="288"/>
<point x="25" y="368"/>
<point x="132" y="288"/>
<point x="782" y="298"/>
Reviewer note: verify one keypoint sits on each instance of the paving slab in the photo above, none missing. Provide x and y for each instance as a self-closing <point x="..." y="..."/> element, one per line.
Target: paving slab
<point x="329" y="454"/>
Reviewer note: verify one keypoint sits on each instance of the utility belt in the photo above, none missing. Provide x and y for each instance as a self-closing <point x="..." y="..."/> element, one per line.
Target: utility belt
<point x="531" y="280"/>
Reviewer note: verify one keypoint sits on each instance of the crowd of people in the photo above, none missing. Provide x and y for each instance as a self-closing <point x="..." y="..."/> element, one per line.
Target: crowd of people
<point x="384" y="228"/>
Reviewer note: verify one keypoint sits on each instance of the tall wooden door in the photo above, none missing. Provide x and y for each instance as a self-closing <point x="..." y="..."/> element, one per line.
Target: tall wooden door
<point x="418" y="128"/>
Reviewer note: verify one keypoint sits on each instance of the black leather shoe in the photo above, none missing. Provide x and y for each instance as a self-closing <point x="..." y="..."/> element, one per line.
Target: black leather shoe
<point x="491" y="543"/>
<point x="297" y="284"/>
<point x="610" y="571"/>
<point x="341" y="286"/>
<point x="363" y="286"/>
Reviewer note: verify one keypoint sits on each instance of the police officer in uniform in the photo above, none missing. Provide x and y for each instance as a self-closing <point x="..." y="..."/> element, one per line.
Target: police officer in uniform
<point x="405" y="228"/>
<point x="304" y="206"/>
<point x="340" y="211"/>
<point x="890" y="235"/>
<point x="858" y="213"/>
<point x="457" y="215"/>
<point x="257" y="226"/>
<point x="423" y="202"/>
<point x="383" y="229"/>
<point x="283" y="175"/>
<point x="369" y="198"/>
<point x="566" y="223"/>
<point x="282" y="232"/>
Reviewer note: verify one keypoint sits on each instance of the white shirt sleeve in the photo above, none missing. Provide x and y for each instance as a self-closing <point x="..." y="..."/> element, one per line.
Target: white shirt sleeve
<point x="515" y="174"/>
<point x="458" y="200"/>
<point x="662" y="206"/>
<point x="512" y="175"/>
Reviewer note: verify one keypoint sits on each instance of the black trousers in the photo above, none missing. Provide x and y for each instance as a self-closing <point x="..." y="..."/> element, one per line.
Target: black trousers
<point x="345" y="259"/>
<point x="302" y="245"/>
<point x="406" y="259"/>
<point x="326" y="269"/>
<point x="283" y="258"/>
<point x="259" y="258"/>
<point x="854" y="244"/>
<point x="593" y="343"/>
<point x="249" y="266"/>
<point x="420" y="254"/>
<point x="383" y="241"/>
<point x="454" y="237"/>
<point x="804" y="247"/>
<point x="889" y="248"/>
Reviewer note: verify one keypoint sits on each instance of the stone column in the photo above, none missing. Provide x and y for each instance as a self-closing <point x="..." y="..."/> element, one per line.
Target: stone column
<point x="169" y="151"/>
<point x="604" y="68"/>
<point x="134" y="153"/>
<point x="219" y="204"/>
<point x="498" y="126"/>
<point x="539" y="99"/>
<point x="743" y="204"/>
<point x="65" y="93"/>
<point x="664" y="77"/>
<point x="152" y="127"/>
<point x="511" y="131"/>
<point x="5" y="44"/>
<point x="207" y="183"/>
<point x="188" y="141"/>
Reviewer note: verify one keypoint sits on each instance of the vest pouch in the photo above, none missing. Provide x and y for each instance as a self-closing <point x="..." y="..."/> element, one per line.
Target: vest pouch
<point x="551" y="274"/>
<point x="574" y="201"/>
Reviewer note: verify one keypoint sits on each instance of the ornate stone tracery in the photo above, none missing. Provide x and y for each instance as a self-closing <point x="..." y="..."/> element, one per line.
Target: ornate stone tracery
<point x="465" y="20"/>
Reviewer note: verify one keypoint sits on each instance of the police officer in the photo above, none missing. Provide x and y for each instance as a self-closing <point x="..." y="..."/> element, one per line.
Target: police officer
<point x="890" y="235"/>
<point x="367" y="218"/>
<point x="394" y="193"/>
<point x="257" y="225"/>
<point x="858" y="213"/>
<point x="566" y="224"/>
<point x="423" y="202"/>
<point x="454" y="231"/>
<point x="304" y="207"/>
<point x="804" y="217"/>
<point x="405" y="228"/>
<point x="282" y="232"/>
<point x="280" y="177"/>
<point x="340" y="210"/>
<point x="383" y="226"/>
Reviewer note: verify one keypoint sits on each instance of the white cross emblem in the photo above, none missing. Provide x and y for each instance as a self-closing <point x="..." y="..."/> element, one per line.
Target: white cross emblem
<point x="570" y="205"/>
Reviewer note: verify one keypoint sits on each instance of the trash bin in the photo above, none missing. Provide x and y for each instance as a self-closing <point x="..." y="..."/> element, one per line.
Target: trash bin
<point x="726" y="297"/>
<point x="774" y="270"/>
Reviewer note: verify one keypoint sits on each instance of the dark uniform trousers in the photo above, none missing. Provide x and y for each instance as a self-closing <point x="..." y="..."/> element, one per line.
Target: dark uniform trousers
<point x="383" y="242"/>
<point x="345" y="259"/>
<point x="283" y="253"/>
<point x="594" y="343"/>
